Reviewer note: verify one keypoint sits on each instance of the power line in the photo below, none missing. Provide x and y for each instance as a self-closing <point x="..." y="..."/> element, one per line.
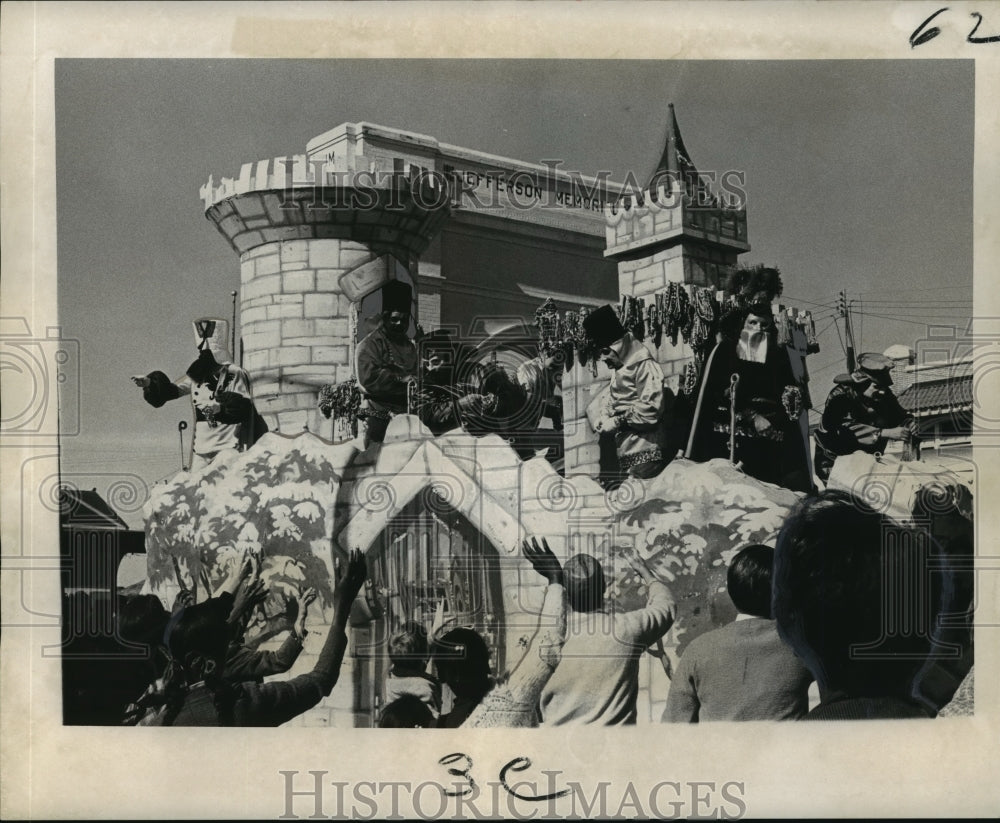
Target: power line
<point x="826" y="328"/>
<point x="926" y="322"/>
<point x="829" y="304"/>
<point x="908" y="290"/>
<point x="905" y="302"/>
<point x="843" y="348"/>
<point x="928" y="317"/>
<point x="821" y="369"/>
<point x="921" y="312"/>
<point x="916" y="307"/>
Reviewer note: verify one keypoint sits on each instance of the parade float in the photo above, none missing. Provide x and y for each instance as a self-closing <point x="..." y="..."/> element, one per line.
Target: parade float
<point x="441" y="519"/>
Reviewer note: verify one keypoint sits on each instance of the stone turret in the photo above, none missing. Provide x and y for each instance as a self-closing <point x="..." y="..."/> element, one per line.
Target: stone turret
<point x="301" y="225"/>
<point x="676" y="230"/>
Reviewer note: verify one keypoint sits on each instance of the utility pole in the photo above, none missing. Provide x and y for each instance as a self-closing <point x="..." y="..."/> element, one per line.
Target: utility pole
<point x="232" y="336"/>
<point x="844" y="307"/>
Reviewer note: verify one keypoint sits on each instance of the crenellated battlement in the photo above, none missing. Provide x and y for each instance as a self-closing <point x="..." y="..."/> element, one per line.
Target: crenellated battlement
<point x="670" y="213"/>
<point x="309" y="172"/>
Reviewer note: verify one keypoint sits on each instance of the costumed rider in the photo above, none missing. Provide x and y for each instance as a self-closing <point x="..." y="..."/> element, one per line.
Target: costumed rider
<point x="386" y="362"/>
<point x="225" y="417"/>
<point x="636" y="398"/>
<point x="861" y="414"/>
<point x="749" y="402"/>
<point x="442" y="401"/>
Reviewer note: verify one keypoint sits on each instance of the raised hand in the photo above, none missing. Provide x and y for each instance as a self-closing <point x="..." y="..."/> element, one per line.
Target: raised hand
<point x="250" y="568"/>
<point x="248" y="596"/>
<point x="542" y="559"/>
<point x="353" y="578"/>
<point x="638" y="564"/>
<point x="441" y="623"/>
<point x="140" y="380"/>
<point x="303" y="601"/>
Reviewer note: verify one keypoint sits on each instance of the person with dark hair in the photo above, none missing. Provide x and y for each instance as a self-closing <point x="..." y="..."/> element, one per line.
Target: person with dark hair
<point x="144" y="621"/>
<point x="225" y="416"/>
<point x="742" y="671"/>
<point x="386" y="362"/>
<point x="861" y="414"/>
<point x="199" y="636"/>
<point x="597" y="680"/>
<point x="637" y="398"/>
<point x="839" y="569"/>
<point x="750" y="402"/>
<point x="409" y="654"/>
<point x="463" y="663"/>
<point x="406" y="712"/>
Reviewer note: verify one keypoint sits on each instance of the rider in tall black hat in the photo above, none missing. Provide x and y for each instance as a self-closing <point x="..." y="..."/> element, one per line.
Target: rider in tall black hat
<point x="637" y="397"/>
<point x="386" y="361"/>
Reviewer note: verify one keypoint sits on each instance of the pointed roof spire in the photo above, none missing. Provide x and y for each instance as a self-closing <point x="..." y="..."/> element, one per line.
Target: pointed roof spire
<point x="675" y="161"/>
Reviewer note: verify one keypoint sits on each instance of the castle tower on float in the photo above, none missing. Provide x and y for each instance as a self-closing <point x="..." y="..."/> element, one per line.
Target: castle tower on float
<point x="315" y="232"/>
<point x="675" y="230"/>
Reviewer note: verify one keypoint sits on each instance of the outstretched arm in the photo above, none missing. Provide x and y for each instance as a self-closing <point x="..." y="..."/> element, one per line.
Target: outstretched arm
<point x="545" y="646"/>
<point x="274" y="703"/>
<point x="655" y="620"/>
<point x="244" y="663"/>
<point x="158" y="389"/>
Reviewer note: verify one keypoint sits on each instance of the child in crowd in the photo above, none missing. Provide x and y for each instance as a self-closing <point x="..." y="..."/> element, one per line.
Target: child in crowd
<point x="407" y="712"/>
<point x="408" y="653"/>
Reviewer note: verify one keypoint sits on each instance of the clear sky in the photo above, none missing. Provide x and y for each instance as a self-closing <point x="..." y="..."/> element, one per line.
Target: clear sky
<point x="859" y="176"/>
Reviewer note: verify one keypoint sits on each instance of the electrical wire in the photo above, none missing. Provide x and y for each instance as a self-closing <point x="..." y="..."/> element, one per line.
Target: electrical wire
<point x="910" y="291"/>
<point x="925" y="322"/>
<point x="829" y="304"/>
<point x="915" y="310"/>
<point x="843" y="348"/>
<point x="929" y="316"/>
<point x="913" y="302"/>
<point x="826" y="328"/>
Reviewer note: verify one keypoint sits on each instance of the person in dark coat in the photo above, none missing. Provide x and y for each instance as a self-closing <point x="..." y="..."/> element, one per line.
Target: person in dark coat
<point x="196" y="693"/>
<point x="750" y="373"/>
<point x="386" y="362"/>
<point x="863" y="618"/>
<point x="861" y="414"/>
<point x="225" y="416"/>
<point x="442" y="400"/>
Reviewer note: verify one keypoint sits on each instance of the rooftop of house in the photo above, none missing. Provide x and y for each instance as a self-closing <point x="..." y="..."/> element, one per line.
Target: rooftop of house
<point x="939" y="389"/>
<point x="88" y="509"/>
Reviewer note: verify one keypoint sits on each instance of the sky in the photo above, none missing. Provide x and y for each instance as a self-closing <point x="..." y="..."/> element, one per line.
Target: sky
<point x="859" y="177"/>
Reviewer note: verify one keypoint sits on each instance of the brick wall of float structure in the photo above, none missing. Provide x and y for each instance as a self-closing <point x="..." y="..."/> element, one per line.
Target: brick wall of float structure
<point x="580" y="441"/>
<point x="295" y="327"/>
<point x="645" y="276"/>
